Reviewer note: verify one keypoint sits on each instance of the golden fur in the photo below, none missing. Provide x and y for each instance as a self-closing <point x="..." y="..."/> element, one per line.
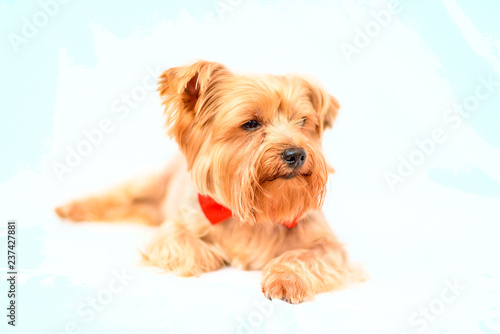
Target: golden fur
<point x="205" y="108"/>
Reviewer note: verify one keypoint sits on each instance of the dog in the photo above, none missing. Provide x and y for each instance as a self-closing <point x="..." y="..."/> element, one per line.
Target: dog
<point x="247" y="190"/>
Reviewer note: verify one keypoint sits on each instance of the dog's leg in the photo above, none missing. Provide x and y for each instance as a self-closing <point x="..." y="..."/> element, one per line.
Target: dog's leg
<point x="138" y="200"/>
<point x="184" y="249"/>
<point x="316" y="262"/>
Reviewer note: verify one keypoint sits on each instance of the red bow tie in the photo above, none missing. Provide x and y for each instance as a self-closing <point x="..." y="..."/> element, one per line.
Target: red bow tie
<point x="217" y="213"/>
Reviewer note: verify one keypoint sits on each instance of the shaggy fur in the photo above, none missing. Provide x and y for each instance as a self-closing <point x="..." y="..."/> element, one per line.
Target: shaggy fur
<point x="206" y="109"/>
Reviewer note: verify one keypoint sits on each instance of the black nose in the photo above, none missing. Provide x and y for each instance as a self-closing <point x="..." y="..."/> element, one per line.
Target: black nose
<point x="294" y="156"/>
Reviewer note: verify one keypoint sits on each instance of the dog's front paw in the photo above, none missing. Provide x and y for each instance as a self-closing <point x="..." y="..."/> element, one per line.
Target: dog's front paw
<point x="175" y="249"/>
<point x="281" y="282"/>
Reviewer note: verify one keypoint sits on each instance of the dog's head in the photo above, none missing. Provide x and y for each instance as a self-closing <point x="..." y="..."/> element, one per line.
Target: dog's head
<point x="253" y="143"/>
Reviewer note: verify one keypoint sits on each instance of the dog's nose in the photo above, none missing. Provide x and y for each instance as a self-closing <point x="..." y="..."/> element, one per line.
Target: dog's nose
<point x="294" y="156"/>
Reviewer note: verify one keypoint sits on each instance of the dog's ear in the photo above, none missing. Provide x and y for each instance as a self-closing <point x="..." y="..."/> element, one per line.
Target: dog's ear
<point x="325" y="104"/>
<point x="329" y="111"/>
<point x="181" y="88"/>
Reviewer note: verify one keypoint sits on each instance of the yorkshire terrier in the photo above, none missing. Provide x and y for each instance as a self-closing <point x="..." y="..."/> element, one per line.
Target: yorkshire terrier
<point x="248" y="188"/>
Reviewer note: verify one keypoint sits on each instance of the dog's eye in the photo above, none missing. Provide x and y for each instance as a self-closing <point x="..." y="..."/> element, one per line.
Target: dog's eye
<point x="303" y="121"/>
<point x="251" y="125"/>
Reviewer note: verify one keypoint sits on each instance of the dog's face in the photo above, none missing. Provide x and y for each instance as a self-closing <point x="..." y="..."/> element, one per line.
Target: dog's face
<point x="253" y="143"/>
